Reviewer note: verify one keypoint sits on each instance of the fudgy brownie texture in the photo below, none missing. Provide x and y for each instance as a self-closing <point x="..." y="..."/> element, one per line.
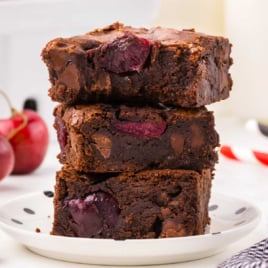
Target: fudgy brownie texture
<point x="124" y="64"/>
<point x="119" y="138"/>
<point x="147" y="204"/>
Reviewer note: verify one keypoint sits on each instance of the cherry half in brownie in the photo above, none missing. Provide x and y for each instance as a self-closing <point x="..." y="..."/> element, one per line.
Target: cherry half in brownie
<point x="118" y="138"/>
<point x="147" y="204"/>
<point x="124" y="64"/>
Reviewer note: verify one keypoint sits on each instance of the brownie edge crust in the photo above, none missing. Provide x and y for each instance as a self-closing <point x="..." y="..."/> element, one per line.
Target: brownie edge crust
<point x="147" y="204"/>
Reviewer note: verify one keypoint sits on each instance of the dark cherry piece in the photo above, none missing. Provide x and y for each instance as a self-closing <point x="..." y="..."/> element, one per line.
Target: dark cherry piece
<point x="62" y="134"/>
<point x="95" y="214"/>
<point x="125" y="54"/>
<point x="146" y="129"/>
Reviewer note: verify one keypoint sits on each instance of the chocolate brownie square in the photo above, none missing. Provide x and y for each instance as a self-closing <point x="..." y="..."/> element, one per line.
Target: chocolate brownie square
<point x="148" y="204"/>
<point x="137" y="65"/>
<point x="119" y="138"/>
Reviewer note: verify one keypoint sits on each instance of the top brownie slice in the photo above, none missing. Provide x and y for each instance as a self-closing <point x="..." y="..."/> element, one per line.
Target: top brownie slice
<point x="137" y="65"/>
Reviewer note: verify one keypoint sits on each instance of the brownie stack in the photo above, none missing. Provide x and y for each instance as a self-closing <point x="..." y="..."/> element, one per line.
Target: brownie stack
<point x="138" y="146"/>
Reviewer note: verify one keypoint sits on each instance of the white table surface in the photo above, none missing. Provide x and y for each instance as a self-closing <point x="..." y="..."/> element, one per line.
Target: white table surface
<point x="243" y="180"/>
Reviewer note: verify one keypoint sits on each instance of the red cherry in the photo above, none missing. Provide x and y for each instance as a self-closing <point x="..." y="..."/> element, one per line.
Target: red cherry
<point x="28" y="134"/>
<point x="7" y="157"/>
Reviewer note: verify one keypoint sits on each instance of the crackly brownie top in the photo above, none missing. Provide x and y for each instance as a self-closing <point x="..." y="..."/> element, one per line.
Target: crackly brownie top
<point x="79" y="114"/>
<point x="164" y="36"/>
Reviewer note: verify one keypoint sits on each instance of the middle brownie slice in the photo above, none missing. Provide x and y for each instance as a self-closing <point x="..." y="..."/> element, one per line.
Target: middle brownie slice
<point x="119" y="138"/>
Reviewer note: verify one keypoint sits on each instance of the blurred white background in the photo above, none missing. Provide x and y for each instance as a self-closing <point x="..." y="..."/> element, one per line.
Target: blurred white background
<point x="27" y="25"/>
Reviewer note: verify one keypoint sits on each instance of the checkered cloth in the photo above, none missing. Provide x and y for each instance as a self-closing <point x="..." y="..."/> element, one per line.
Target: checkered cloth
<point x="253" y="257"/>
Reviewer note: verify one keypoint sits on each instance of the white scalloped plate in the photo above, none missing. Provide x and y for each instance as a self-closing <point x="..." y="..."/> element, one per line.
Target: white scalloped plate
<point x="28" y="219"/>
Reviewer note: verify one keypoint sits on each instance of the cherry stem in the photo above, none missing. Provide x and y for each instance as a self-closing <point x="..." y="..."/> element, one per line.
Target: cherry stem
<point x="13" y="113"/>
<point x="12" y="109"/>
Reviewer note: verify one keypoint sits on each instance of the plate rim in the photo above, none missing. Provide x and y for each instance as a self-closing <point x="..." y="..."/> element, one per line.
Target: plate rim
<point x="131" y="243"/>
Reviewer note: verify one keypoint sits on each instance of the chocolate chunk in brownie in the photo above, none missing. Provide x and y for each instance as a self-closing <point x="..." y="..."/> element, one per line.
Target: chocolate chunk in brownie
<point x="118" y="138"/>
<point x="138" y="65"/>
<point x="147" y="204"/>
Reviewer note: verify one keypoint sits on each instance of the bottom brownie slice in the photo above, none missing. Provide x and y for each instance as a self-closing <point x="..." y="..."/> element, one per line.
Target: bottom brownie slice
<point x="147" y="204"/>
